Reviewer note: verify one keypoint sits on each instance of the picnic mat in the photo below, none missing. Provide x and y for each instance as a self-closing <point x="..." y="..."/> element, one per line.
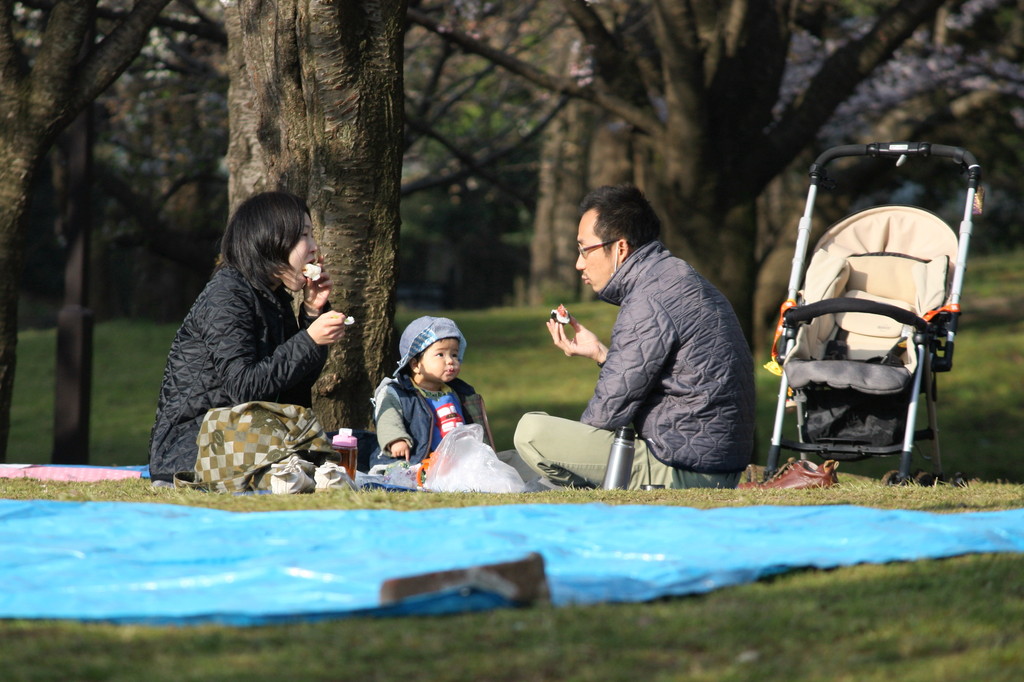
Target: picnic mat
<point x="72" y="472"/>
<point x="169" y="564"/>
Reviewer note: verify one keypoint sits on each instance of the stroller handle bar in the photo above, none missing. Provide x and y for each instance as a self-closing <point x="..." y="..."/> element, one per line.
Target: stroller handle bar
<point x="806" y="313"/>
<point x="898" y="150"/>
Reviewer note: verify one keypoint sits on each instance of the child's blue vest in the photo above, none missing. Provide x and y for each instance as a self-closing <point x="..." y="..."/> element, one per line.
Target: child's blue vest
<point x="419" y="416"/>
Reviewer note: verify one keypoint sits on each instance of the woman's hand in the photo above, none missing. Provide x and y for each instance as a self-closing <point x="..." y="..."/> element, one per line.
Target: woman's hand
<point x="327" y="329"/>
<point x="316" y="292"/>
<point x="583" y="343"/>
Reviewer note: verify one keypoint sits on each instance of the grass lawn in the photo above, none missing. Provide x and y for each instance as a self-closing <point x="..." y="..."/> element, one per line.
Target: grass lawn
<point x="955" y="619"/>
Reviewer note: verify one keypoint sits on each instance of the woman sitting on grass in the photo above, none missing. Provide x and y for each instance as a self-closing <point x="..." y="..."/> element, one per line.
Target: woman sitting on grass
<point x="242" y="341"/>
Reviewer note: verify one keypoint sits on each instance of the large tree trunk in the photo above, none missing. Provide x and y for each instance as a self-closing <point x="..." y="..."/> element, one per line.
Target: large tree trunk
<point x="583" y="149"/>
<point x="247" y="168"/>
<point x="561" y="184"/>
<point x="17" y="166"/>
<point x="327" y="90"/>
<point x="719" y="241"/>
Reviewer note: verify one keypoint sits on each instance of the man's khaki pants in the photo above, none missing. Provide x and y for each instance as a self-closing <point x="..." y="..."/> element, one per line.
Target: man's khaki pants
<point x="570" y="453"/>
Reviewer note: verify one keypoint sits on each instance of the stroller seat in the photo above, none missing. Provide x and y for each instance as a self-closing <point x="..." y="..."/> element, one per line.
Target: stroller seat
<point x="848" y="374"/>
<point x="894" y="256"/>
<point x="873" y="276"/>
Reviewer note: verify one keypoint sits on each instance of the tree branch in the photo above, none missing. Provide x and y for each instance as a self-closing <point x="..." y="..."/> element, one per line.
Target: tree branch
<point x="66" y="27"/>
<point x="194" y="251"/>
<point x="205" y="28"/>
<point x="12" y="65"/>
<point x="620" y="61"/>
<point x="836" y="80"/>
<point x="637" y="117"/>
<point x="112" y="56"/>
<point x="471" y="164"/>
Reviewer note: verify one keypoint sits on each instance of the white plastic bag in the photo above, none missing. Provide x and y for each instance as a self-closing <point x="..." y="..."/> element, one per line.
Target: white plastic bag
<point x="464" y="463"/>
<point x="397" y="473"/>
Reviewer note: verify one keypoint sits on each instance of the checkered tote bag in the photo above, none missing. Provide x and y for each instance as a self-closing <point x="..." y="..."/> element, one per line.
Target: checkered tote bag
<point x="237" y="445"/>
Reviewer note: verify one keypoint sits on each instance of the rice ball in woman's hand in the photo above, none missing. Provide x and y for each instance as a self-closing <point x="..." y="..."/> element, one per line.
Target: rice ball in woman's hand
<point x="312" y="271"/>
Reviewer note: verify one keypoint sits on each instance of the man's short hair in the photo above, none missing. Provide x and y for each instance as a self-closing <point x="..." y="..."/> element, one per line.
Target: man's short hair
<point x="623" y="212"/>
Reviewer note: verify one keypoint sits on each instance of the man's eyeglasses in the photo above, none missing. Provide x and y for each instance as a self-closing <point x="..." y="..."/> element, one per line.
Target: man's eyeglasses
<point x="584" y="250"/>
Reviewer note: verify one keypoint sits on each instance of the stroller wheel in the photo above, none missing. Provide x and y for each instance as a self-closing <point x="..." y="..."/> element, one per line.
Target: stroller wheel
<point x="959" y="480"/>
<point x="893" y="478"/>
<point x="924" y="478"/>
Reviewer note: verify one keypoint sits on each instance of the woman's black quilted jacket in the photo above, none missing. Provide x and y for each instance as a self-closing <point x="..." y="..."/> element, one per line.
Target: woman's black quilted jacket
<point x="238" y="343"/>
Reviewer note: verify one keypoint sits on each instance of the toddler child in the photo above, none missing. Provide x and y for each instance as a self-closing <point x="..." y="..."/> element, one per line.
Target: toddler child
<point x="425" y="400"/>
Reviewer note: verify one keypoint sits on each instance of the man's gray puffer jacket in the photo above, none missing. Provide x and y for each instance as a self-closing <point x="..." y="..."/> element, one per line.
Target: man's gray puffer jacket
<point x="238" y="343"/>
<point x="678" y="368"/>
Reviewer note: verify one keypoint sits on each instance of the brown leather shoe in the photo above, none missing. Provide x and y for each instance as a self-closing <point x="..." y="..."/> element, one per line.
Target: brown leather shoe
<point x="800" y="473"/>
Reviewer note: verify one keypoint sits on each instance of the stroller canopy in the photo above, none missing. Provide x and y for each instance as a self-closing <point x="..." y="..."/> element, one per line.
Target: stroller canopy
<point x="905" y="230"/>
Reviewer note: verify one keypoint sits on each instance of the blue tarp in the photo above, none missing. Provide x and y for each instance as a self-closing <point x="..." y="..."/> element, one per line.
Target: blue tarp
<point x="169" y="564"/>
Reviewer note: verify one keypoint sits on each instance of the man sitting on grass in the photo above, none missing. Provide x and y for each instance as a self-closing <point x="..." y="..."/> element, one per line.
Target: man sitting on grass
<point x="678" y="368"/>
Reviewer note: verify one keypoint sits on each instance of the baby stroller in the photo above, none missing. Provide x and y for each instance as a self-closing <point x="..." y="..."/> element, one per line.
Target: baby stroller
<point x="864" y="331"/>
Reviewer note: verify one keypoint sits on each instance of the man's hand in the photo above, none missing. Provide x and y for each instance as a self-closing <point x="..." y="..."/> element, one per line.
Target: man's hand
<point x="583" y="343"/>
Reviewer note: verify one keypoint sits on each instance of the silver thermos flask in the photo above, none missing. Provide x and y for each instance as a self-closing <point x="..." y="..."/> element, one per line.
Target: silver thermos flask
<point x="620" y="460"/>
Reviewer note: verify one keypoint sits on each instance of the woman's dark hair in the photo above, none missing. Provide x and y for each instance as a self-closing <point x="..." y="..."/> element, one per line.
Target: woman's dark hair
<point x="623" y="212"/>
<point x="261" y="235"/>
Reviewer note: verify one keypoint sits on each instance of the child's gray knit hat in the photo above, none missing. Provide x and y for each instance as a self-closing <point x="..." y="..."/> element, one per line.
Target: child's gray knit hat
<point x="424" y="331"/>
